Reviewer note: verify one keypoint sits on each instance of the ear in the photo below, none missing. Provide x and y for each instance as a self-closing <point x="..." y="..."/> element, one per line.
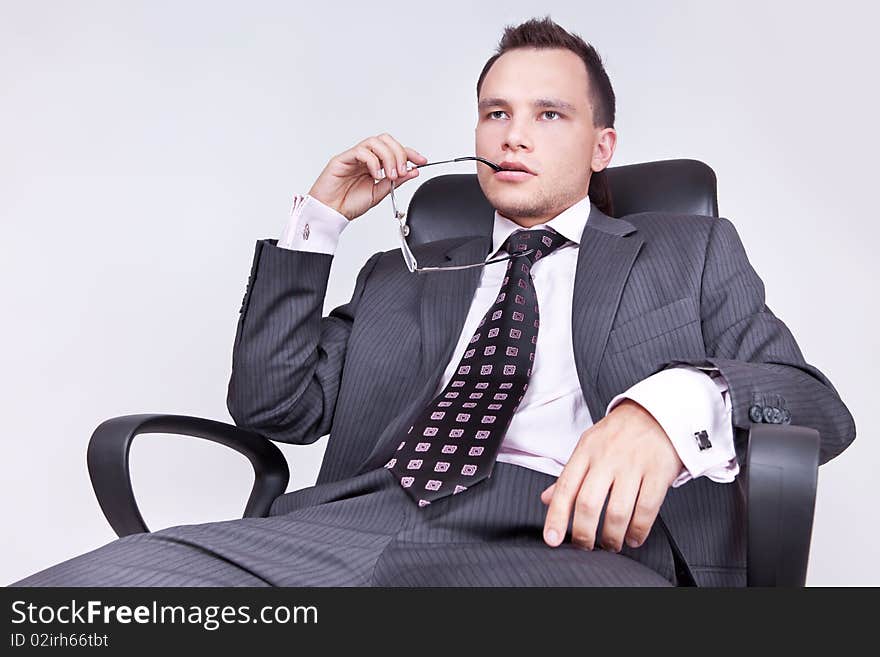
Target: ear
<point x="603" y="150"/>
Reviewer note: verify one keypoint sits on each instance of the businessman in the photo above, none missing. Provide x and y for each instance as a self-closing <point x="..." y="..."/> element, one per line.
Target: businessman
<point x="528" y="421"/>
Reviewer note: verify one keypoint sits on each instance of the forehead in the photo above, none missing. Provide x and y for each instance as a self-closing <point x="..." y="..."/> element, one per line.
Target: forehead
<point x="524" y="73"/>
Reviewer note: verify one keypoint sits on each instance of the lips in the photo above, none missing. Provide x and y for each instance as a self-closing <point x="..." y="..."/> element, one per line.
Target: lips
<point x="516" y="166"/>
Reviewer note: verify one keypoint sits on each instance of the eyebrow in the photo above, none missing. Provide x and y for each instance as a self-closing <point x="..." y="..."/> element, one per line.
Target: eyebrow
<point x="539" y="103"/>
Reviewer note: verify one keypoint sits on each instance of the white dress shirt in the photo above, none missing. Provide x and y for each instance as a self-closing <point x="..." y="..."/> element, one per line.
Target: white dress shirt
<point x="553" y="413"/>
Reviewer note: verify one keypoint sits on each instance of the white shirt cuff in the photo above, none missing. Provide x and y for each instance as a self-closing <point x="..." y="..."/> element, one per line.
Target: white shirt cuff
<point x="686" y="401"/>
<point x="312" y="226"/>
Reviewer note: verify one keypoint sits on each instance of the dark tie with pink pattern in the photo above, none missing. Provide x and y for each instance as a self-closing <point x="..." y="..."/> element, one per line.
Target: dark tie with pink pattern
<point x="453" y="443"/>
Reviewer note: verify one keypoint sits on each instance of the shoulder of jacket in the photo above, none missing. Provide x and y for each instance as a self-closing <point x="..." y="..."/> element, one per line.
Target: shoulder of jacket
<point x="671" y="221"/>
<point x="676" y="232"/>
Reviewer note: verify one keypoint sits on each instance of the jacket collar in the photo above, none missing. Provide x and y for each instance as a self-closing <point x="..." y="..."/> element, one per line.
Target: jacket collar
<point x="565" y="223"/>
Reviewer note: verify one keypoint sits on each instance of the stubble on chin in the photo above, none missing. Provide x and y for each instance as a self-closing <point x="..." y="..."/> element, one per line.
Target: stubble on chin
<point x="527" y="207"/>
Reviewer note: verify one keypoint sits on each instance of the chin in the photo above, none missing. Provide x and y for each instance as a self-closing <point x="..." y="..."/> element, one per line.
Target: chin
<point x="511" y="195"/>
<point x="524" y="208"/>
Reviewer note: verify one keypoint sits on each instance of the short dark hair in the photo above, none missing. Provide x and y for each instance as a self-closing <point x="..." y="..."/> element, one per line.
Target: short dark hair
<point x="546" y="34"/>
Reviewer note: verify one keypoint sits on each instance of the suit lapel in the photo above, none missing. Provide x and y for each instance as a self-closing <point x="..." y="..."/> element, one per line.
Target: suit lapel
<point x="606" y="255"/>
<point x="445" y="300"/>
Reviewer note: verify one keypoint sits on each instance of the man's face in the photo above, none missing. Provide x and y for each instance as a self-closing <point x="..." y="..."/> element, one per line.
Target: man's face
<point x="555" y="139"/>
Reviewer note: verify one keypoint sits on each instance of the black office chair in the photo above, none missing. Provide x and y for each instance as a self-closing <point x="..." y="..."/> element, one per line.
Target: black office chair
<point x="782" y="461"/>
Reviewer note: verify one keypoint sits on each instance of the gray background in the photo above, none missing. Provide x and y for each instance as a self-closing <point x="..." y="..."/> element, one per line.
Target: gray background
<point x="145" y="147"/>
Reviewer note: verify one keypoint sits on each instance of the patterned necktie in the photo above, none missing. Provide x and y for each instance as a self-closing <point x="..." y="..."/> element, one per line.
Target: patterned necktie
<point x="453" y="443"/>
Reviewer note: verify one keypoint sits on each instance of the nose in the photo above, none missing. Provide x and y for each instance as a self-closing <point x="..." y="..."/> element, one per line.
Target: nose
<point x="516" y="137"/>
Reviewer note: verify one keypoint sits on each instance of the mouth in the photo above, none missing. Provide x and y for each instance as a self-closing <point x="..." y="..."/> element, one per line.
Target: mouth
<point x="513" y="171"/>
<point x="515" y="166"/>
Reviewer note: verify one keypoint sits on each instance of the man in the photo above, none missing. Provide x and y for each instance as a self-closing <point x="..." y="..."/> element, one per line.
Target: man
<point x="468" y="447"/>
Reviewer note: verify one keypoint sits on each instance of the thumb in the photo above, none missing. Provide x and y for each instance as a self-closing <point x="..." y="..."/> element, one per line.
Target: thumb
<point x="547" y="494"/>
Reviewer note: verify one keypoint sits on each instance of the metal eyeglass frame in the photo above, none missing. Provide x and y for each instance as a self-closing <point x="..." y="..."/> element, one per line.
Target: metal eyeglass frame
<point x="408" y="256"/>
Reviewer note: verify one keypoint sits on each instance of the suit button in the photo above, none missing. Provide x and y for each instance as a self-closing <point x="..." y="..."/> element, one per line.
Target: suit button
<point x="786" y="416"/>
<point x="755" y="413"/>
<point x="768" y="414"/>
<point x="776" y="416"/>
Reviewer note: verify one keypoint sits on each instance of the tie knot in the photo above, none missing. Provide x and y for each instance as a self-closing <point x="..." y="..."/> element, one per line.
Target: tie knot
<point x="543" y="241"/>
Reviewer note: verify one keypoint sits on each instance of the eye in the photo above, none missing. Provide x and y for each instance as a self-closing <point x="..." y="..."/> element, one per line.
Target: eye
<point x="556" y="114"/>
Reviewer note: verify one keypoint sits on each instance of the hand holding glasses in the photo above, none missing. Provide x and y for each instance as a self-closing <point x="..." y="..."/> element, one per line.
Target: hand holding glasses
<point x="355" y="180"/>
<point x="408" y="256"/>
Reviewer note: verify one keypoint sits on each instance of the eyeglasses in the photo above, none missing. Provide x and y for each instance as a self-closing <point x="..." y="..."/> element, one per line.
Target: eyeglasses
<point x="408" y="256"/>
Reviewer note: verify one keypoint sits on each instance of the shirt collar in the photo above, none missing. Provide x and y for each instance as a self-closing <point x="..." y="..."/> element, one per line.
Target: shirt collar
<point x="569" y="223"/>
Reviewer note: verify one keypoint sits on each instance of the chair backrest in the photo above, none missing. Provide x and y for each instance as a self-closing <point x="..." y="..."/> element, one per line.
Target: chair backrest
<point x="453" y="205"/>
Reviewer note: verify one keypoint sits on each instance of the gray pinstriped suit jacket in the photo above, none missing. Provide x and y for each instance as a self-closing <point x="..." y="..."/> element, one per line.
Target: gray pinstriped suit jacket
<point x="651" y="289"/>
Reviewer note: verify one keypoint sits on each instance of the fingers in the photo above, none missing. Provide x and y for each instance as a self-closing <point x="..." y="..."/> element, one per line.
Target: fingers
<point x="393" y="155"/>
<point x="384" y="157"/>
<point x="650" y="499"/>
<point x="631" y="512"/>
<point x="624" y="492"/>
<point x="344" y="182"/>
<point x="588" y="507"/>
<point x="400" y="154"/>
<point x="415" y="156"/>
<point x="618" y="523"/>
<point x="385" y="154"/>
<point x="369" y="159"/>
<point x="565" y="490"/>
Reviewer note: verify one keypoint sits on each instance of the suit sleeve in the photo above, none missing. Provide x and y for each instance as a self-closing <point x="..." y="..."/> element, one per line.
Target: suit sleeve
<point x="287" y="359"/>
<point x="757" y="354"/>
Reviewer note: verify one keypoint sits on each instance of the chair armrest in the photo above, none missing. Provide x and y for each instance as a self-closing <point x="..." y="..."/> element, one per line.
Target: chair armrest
<point x="782" y="466"/>
<point x="108" y="463"/>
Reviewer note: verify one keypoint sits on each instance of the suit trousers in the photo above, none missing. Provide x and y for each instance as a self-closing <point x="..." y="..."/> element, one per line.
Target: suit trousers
<point x="366" y="531"/>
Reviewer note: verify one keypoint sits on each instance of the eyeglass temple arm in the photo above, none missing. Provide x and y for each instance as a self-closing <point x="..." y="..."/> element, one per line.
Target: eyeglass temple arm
<point x="401" y="216"/>
<point x="460" y="159"/>
<point x="410" y="166"/>
<point x="420" y="270"/>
